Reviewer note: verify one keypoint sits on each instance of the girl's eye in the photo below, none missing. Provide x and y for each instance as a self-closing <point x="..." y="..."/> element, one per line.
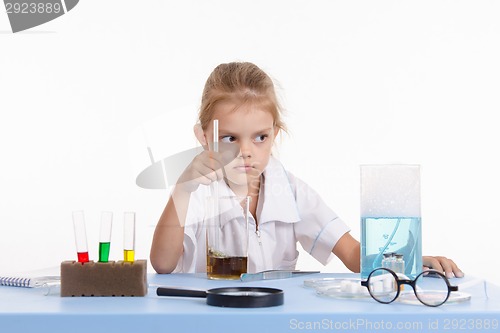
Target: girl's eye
<point x="261" y="138"/>
<point x="228" y="139"/>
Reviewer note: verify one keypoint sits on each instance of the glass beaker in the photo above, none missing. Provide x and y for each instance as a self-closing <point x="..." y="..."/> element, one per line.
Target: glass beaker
<point x="390" y="216"/>
<point x="226" y="223"/>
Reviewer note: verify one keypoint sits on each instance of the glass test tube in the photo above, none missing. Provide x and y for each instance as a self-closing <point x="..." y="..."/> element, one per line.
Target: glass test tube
<point x="105" y="236"/>
<point x="216" y="135"/>
<point x="128" y="236"/>
<point x="80" y="236"/>
<point x="215" y="185"/>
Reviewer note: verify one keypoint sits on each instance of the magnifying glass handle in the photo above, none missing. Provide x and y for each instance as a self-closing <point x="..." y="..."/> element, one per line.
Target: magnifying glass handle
<point x="163" y="291"/>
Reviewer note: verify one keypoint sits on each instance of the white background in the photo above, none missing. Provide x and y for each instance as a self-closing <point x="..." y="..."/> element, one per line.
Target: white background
<point x="82" y="97"/>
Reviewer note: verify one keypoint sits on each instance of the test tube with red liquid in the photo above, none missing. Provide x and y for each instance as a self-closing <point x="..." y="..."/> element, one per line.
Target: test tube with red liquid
<point x="80" y="236"/>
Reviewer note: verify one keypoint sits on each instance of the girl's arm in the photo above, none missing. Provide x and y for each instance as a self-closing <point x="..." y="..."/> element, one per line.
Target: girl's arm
<point x="168" y="237"/>
<point x="347" y="249"/>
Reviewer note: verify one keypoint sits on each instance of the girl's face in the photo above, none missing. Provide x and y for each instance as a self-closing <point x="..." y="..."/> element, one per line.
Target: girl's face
<point x="252" y="129"/>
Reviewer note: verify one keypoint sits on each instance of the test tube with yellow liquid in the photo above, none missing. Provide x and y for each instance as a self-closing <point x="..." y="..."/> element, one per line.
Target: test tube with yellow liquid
<point x="128" y="236"/>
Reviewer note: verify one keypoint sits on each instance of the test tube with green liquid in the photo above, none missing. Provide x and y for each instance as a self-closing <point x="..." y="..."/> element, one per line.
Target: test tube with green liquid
<point x="105" y="236"/>
<point x="128" y="236"/>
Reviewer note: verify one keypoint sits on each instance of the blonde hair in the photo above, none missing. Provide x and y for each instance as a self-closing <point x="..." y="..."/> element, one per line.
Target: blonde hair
<point x="241" y="83"/>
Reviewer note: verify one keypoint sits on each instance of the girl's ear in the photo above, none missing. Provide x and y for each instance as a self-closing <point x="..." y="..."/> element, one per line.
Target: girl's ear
<point x="198" y="132"/>
<point x="276" y="131"/>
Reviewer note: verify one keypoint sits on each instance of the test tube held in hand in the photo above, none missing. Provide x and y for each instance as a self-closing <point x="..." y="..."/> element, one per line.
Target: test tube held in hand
<point x="215" y="185"/>
<point x="80" y="236"/>
<point x="105" y="236"/>
<point x="215" y="148"/>
<point x="128" y="236"/>
<point x="216" y="135"/>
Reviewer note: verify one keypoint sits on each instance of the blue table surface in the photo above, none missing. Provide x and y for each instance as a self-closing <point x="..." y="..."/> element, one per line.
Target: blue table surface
<point x="29" y="310"/>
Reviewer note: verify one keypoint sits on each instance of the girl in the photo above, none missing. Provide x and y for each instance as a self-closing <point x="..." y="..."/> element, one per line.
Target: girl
<point x="283" y="209"/>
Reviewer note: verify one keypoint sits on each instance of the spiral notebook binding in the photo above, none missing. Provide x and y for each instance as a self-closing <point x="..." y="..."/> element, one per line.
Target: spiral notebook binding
<point x="15" y="282"/>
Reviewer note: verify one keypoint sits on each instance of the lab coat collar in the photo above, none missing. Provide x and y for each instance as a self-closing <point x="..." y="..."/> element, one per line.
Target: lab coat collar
<point x="278" y="200"/>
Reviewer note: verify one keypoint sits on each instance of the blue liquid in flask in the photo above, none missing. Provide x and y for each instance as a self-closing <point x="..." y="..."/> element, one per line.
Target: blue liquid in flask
<point x="381" y="235"/>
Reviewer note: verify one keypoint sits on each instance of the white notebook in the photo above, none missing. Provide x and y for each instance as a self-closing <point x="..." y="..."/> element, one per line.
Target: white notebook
<point x="28" y="282"/>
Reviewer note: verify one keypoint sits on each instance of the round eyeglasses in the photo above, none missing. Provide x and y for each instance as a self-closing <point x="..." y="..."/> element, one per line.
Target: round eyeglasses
<point x="432" y="288"/>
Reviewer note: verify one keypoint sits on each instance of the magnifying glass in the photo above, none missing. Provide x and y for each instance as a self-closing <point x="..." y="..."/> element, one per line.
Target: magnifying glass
<point x="233" y="297"/>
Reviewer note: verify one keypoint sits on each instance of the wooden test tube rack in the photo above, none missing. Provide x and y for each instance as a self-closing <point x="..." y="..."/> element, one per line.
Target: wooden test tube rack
<point x="112" y="278"/>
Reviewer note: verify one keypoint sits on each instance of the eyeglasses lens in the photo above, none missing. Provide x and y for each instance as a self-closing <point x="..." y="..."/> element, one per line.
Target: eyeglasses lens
<point x="383" y="286"/>
<point x="432" y="289"/>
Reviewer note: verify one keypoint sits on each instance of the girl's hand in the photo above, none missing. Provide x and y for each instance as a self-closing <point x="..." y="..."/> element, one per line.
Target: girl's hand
<point x="442" y="264"/>
<point x="204" y="169"/>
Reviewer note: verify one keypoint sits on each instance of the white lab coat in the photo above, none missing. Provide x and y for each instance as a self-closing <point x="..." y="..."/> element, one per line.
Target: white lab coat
<point x="288" y="211"/>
